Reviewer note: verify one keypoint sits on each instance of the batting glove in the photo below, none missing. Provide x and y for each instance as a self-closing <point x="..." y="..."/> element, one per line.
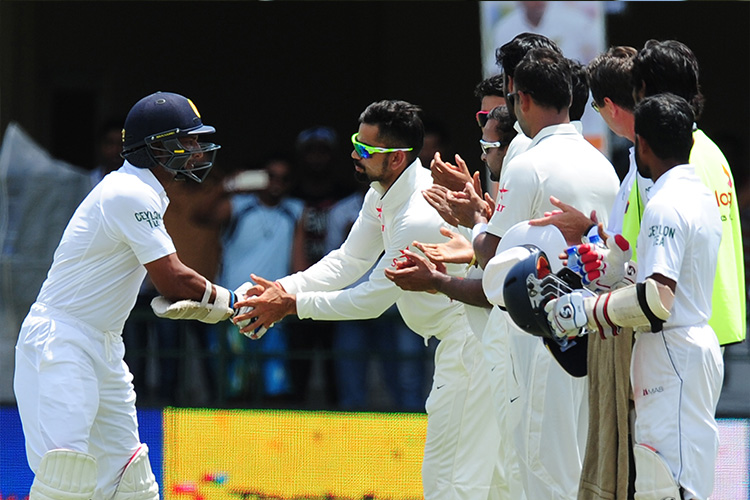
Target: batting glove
<point x="605" y="268"/>
<point x="566" y="315"/>
<point x="240" y="293"/>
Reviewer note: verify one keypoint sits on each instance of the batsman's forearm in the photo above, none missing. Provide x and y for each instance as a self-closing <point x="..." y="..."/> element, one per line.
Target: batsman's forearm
<point x="468" y="291"/>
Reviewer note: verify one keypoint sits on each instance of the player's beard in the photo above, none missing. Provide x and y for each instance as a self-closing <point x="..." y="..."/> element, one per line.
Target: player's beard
<point x="366" y="177"/>
<point x="642" y="167"/>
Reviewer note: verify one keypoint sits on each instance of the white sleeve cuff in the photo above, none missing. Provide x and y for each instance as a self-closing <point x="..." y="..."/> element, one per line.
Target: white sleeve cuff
<point x="477" y="230"/>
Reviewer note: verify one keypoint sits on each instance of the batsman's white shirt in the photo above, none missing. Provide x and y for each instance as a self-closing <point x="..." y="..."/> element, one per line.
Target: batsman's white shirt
<point x="677" y="373"/>
<point x="72" y="387"/>
<point x="98" y="267"/>
<point x="547" y="409"/>
<point x="462" y="433"/>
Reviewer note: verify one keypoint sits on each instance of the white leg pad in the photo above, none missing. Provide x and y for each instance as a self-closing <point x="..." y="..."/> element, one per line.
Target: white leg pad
<point x="653" y="478"/>
<point x="138" y="481"/>
<point x="64" y="475"/>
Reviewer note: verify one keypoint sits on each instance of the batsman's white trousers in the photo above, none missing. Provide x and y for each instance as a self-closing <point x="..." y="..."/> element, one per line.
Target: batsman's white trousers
<point x="548" y="417"/>
<point x="676" y="377"/>
<point x="462" y="433"/>
<point x="74" y="391"/>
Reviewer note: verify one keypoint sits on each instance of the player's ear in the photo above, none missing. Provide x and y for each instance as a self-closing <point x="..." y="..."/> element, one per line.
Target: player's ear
<point x="398" y="159"/>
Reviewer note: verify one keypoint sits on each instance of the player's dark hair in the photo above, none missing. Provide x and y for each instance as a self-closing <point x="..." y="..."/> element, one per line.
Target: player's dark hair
<point x="609" y="76"/>
<point x="665" y="122"/>
<point x="490" y="86"/>
<point x="505" y="122"/>
<point x="510" y="54"/>
<point x="668" y="66"/>
<point x="398" y="123"/>
<point x="579" y="88"/>
<point x="545" y="75"/>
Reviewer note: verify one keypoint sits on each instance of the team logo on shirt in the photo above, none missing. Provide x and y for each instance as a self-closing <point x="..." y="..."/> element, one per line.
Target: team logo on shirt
<point x="653" y="390"/>
<point x="152" y="218"/>
<point x="660" y="234"/>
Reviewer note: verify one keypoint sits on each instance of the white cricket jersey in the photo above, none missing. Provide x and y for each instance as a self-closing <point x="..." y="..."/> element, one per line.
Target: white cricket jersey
<point x="620" y="206"/>
<point x="679" y="238"/>
<point x="519" y="144"/>
<point x="558" y="162"/>
<point x="388" y="222"/>
<point x="98" y="266"/>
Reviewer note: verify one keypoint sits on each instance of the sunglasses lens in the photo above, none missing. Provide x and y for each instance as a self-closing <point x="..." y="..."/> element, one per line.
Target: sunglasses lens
<point x="482" y="118"/>
<point x="360" y="148"/>
<point x="361" y="151"/>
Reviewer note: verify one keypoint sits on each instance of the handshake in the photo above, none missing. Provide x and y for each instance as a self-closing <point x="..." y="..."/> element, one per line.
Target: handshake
<point x="222" y="308"/>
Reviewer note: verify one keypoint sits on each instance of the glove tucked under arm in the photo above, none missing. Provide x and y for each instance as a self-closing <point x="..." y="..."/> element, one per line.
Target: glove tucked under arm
<point x="646" y="304"/>
<point x="221" y="309"/>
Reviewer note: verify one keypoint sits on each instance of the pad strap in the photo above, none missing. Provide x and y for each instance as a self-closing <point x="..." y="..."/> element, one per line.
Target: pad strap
<point x="222" y="302"/>
<point x="642" y="305"/>
<point x="206" y="294"/>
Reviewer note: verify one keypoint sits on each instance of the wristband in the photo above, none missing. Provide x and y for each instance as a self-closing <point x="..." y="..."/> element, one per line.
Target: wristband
<point x="477" y="230"/>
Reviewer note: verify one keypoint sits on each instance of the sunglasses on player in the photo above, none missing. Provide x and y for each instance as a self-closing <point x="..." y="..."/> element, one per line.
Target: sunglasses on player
<point x="365" y="151"/>
<point x="487" y="145"/>
<point x="482" y="118"/>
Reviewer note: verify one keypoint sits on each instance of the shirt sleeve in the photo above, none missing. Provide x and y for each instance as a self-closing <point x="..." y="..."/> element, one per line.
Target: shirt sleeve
<point x="134" y="217"/>
<point x="661" y="242"/>
<point x="372" y="297"/>
<point x="345" y="265"/>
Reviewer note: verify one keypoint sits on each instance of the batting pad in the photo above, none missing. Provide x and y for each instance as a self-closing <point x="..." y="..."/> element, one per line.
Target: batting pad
<point x="64" y="475"/>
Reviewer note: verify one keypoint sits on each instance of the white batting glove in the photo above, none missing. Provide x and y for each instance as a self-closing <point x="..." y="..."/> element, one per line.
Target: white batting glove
<point x="240" y="293"/>
<point x="605" y="268"/>
<point x="566" y="315"/>
<point x="221" y="309"/>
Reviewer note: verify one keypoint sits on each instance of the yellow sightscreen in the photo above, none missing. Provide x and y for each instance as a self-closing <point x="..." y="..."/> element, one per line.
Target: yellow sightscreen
<point x="253" y="454"/>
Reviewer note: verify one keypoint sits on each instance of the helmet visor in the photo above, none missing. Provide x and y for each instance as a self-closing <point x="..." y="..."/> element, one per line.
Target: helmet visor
<point x="186" y="158"/>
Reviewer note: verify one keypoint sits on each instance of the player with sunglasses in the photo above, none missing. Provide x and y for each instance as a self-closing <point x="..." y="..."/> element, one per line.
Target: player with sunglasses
<point x="460" y="413"/>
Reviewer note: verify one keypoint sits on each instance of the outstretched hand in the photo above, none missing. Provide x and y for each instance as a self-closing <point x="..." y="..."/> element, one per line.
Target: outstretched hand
<point x="416" y="273"/>
<point x="270" y="304"/>
<point x="456" y="250"/>
<point x="571" y="222"/>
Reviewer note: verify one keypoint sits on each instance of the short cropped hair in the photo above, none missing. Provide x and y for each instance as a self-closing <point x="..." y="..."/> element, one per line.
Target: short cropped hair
<point x="505" y="122"/>
<point x="510" y="54"/>
<point x="665" y="121"/>
<point x="545" y="75"/>
<point x="399" y="124"/>
<point x="579" y="88"/>
<point x="490" y="86"/>
<point x="609" y="76"/>
<point x="668" y="66"/>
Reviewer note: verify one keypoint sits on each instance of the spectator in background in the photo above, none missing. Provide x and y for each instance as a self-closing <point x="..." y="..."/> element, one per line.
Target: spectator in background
<point x="259" y="221"/>
<point x="319" y="165"/>
<point x="399" y="350"/>
<point x="108" y="149"/>
<point x="436" y="140"/>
